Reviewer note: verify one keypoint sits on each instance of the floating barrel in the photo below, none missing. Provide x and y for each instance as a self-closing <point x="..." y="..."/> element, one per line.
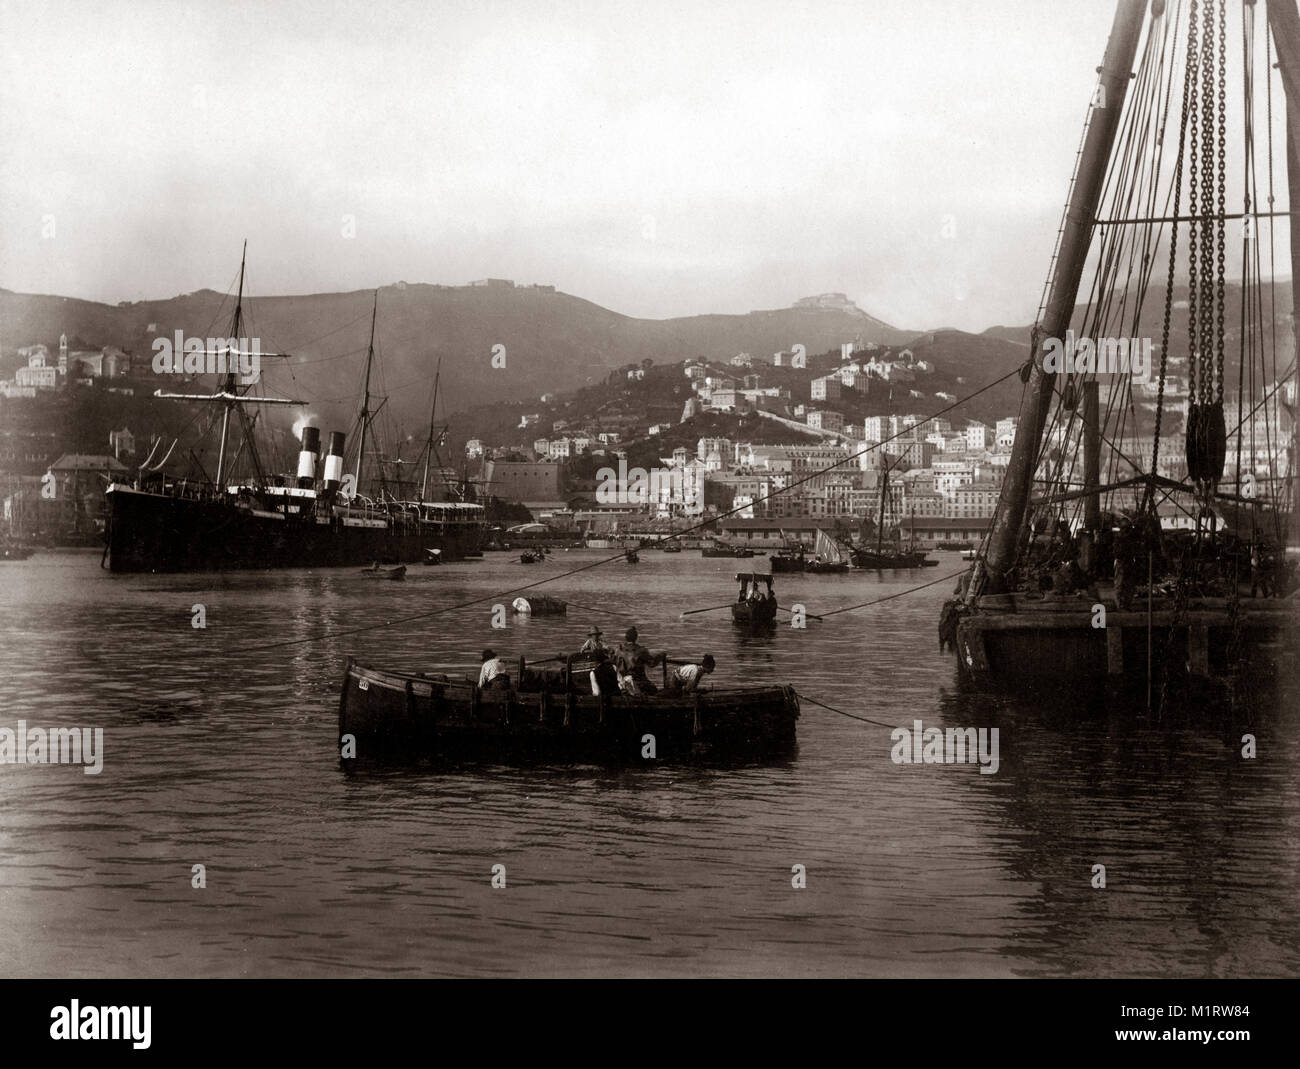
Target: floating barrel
<point x="307" y="458"/>
<point x="539" y="605"/>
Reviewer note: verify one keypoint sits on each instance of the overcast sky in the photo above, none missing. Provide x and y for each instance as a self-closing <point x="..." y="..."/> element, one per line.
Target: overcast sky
<point x="658" y="158"/>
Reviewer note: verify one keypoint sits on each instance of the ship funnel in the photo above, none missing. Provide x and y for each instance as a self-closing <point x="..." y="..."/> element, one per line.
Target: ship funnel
<point x="334" y="461"/>
<point x="307" y="458"/>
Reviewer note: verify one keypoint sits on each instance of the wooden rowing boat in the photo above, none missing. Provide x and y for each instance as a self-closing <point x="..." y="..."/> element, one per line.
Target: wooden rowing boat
<point x="376" y="572"/>
<point x="752" y="608"/>
<point x="391" y="714"/>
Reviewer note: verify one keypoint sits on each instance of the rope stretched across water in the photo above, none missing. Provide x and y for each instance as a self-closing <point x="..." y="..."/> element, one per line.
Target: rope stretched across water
<point x="851" y="716"/>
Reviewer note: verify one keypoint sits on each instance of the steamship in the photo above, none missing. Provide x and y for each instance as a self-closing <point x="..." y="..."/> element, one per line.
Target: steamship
<point x="161" y="522"/>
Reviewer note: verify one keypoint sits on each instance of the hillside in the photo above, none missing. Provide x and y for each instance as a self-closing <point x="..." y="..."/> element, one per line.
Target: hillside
<point x="553" y="341"/>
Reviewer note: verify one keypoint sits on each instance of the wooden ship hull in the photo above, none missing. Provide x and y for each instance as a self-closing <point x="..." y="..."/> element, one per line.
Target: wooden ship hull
<point x="1011" y="637"/>
<point x="885" y="560"/>
<point x="406" y="715"/>
<point x="826" y="567"/>
<point x="754" y="614"/>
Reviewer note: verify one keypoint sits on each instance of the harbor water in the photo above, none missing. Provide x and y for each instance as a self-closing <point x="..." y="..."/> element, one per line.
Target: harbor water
<point x="220" y="750"/>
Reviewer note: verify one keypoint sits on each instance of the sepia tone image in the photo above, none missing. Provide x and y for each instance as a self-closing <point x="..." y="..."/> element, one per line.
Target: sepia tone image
<point x="700" y="489"/>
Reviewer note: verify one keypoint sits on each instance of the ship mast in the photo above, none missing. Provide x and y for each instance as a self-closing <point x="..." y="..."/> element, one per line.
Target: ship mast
<point x="1285" y="25"/>
<point x="365" y="403"/>
<point x="229" y="384"/>
<point x="229" y="394"/>
<point x="428" y="447"/>
<point x="1076" y="237"/>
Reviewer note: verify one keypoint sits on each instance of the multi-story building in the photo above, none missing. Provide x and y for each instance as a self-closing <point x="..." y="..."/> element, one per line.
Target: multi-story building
<point x="823" y="419"/>
<point x="826" y="388"/>
<point x="976" y="500"/>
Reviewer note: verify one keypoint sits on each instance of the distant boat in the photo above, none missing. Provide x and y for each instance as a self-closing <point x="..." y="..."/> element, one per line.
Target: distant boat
<point x="829" y="559"/>
<point x="532" y="556"/>
<point x="790" y="559"/>
<point x="721" y="549"/>
<point x="631" y="556"/>
<point x="752" y="607"/>
<point x="432" y="556"/>
<point x="671" y="546"/>
<point x="312" y="516"/>
<point x="376" y="572"/>
<point x="887" y="559"/>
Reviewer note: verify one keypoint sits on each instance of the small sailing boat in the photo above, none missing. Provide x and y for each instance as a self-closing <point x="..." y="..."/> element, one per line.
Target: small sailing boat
<point x="829" y="558"/>
<point x="884" y="557"/>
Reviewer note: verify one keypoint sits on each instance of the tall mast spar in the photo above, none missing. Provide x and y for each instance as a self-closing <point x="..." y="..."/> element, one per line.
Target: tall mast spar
<point x="229" y="388"/>
<point x="1076" y="236"/>
<point x="428" y="447"/>
<point x="1284" y="21"/>
<point x="365" y="403"/>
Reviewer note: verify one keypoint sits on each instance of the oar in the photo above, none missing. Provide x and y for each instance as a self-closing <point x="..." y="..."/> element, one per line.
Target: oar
<point x="711" y="608"/>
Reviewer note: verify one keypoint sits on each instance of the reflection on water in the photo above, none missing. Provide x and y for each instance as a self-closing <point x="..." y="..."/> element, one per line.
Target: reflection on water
<point x="221" y="751"/>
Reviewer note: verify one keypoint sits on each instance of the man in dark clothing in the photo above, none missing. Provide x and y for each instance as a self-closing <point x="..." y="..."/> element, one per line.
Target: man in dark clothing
<point x="604" y="677"/>
<point x="631" y="659"/>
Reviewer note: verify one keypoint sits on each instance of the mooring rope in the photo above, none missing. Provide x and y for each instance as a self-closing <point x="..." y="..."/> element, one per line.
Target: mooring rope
<point x="864" y="719"/>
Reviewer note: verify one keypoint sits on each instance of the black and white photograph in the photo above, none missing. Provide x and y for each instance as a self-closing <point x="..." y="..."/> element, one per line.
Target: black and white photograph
<point x="593" y="490"/>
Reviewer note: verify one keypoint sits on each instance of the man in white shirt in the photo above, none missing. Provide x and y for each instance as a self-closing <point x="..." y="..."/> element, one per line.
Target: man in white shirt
<point x="493" y="673"/>
<point x="686" y="678"/>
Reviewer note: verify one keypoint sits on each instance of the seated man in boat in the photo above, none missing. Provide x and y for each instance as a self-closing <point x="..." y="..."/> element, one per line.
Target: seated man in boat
<point x="493" y="675"/>
<point x="593" y="642"/>
<point x="686" y="678"/>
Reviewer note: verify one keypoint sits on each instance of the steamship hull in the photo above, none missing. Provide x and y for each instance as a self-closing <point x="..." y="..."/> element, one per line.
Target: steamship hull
<point x="159" y="532"/>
